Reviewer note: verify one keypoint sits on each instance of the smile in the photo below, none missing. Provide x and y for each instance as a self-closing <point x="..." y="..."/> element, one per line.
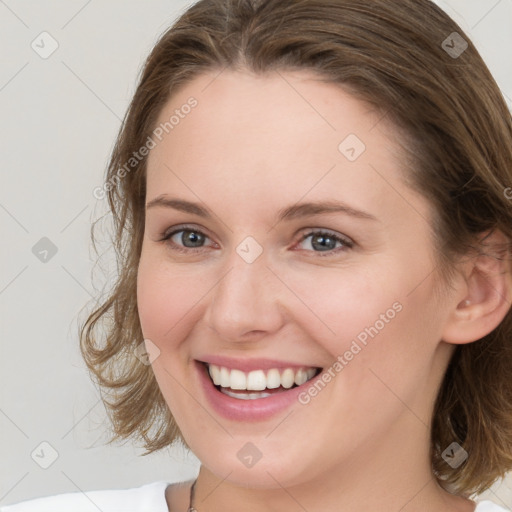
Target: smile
<point x="254" y="389"/>
<point x="258" y="384"/>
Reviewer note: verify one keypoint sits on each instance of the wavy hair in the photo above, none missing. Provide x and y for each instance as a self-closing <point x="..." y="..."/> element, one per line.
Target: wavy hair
<point x="455" y="126"/>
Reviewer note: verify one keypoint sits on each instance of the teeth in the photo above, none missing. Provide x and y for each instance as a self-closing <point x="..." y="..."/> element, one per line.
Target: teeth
<point x="245" y="396"/>
<point x="288" y="378"/>
<point x="225" y="378"/>
<point x="215" y="374"/>
<point x="273" y="379"/>
<point x="300" y="377"/>
<point x="238" y="380"/>
<point x="258" y="380"/>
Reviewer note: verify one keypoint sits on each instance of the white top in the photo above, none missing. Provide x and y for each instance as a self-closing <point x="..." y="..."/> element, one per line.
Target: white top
<point x="147" y="498"/>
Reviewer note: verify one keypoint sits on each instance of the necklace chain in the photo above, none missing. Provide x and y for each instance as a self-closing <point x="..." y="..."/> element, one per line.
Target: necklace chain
<point x="191" y="500"/>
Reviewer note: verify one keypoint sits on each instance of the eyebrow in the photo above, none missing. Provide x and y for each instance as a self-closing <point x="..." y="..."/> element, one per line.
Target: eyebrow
<point x="318" y="208"/>
<point x="291" y="212"/>
<point x="178" y="204"/>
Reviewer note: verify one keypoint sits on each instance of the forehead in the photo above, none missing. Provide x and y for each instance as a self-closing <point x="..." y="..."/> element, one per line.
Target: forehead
<point x="272" y="139"/>
<point x="253" y="109"/>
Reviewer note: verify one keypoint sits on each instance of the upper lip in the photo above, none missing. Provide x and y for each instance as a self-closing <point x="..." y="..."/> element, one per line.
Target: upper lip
<point x="250" y="364"/>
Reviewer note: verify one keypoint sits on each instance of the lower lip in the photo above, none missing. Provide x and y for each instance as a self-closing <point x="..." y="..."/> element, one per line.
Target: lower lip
<point x="258" y="409"/>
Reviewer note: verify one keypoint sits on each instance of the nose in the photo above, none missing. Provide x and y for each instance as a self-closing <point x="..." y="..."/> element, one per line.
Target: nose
<point x="245" y="304"/>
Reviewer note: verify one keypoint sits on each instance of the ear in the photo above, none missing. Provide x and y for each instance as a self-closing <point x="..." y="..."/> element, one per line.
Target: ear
<point x="483" y="292"/>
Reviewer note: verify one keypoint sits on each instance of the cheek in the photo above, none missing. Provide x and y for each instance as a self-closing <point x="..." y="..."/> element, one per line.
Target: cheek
<point x="166" y="298"/>
<point x="379" y="336"/>
<point x="339" y="305"/>
<point x="370" y="315"/>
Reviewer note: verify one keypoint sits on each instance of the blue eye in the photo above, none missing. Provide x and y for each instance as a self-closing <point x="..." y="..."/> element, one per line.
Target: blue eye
<point x="189" y="238"/>
<point x="323" y="241"/>
<point x="185" y="239"/>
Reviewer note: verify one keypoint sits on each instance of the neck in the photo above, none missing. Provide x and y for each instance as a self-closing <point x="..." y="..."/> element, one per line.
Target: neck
<point x="368" y="482"/>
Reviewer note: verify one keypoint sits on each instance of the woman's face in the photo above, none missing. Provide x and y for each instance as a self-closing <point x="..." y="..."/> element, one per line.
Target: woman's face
<point x="294" y="245"/>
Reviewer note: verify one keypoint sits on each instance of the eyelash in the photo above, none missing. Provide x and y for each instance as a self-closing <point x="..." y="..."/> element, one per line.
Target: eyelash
<point x="166" y="237"/>
<point x="347" y="242"/>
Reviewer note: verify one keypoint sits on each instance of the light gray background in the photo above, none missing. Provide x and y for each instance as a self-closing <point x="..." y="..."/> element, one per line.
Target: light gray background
<point x="60" y="116"/>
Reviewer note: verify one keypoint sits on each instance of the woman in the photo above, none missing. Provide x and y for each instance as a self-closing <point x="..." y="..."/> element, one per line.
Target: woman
<point x="315" y="283"/>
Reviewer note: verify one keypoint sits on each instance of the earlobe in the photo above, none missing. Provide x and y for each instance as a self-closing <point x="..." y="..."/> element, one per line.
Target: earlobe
<point x="487" y="297"/>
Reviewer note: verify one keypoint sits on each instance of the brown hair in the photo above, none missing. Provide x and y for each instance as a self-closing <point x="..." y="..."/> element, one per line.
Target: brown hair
<point x="458" y="133"/>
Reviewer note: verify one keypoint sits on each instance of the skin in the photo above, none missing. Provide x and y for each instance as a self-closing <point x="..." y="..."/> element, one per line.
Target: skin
<point x="253" y="146"/>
